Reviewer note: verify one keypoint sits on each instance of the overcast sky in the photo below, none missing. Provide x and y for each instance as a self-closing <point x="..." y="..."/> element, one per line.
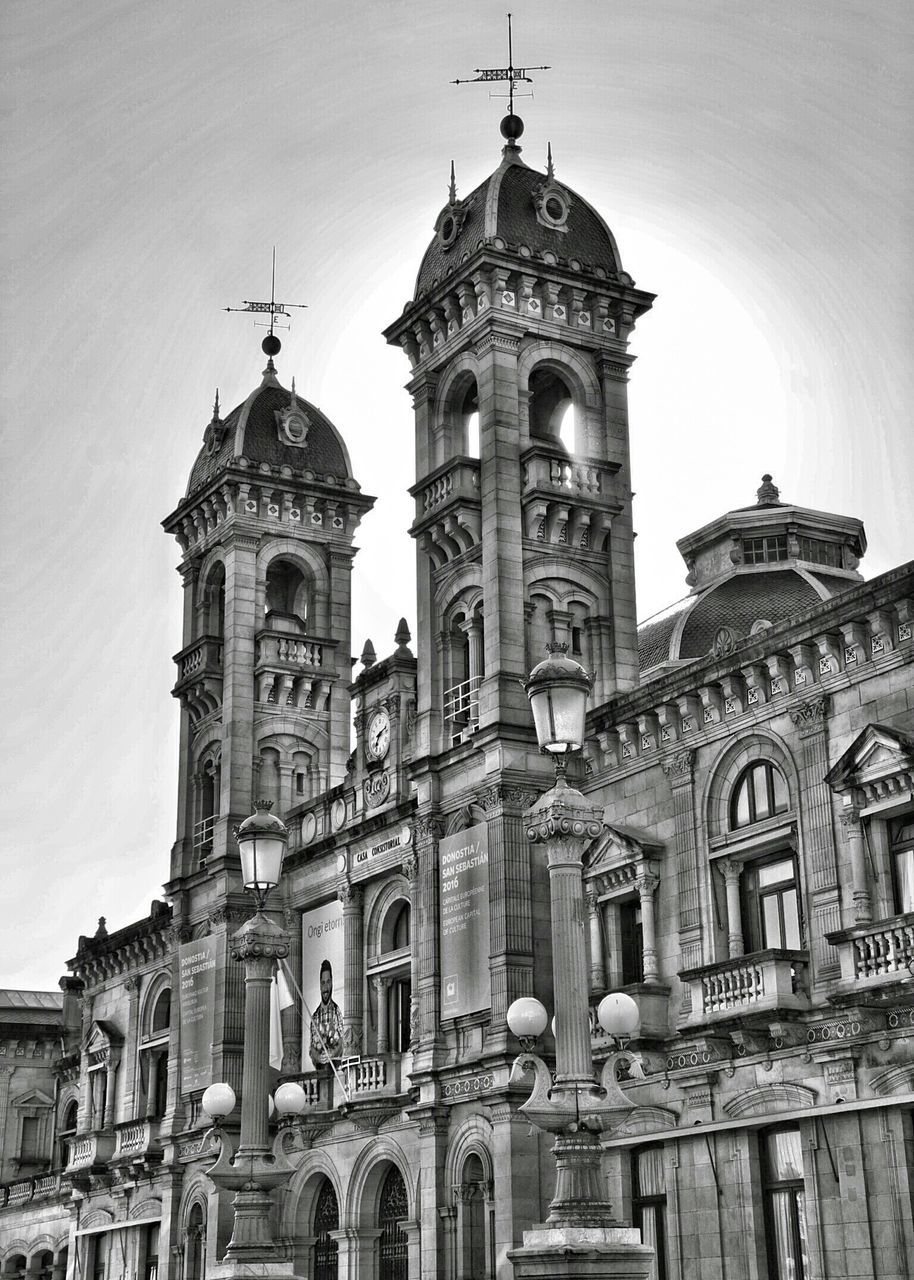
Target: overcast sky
<point x="752" y="160"/>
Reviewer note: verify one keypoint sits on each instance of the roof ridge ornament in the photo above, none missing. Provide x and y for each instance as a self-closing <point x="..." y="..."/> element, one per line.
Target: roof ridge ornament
<point x="512" y="126"/>
<point x="452" y="189"/>
<point x="277" y="311"/>
<point x="768" y="494"/>
<point x="550" y="168"/>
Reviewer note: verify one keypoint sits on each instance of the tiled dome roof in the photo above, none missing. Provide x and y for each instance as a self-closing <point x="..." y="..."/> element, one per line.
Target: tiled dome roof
<point x="506" y="206"/>
<point x="254" y="431"/>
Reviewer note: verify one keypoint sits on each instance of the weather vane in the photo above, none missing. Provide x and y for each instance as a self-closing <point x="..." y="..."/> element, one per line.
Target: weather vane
<point x="277" y="311"/>
<point x="513" y="75"/>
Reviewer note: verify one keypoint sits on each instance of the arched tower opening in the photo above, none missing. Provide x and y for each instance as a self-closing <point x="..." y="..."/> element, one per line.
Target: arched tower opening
<point x="286" y="597"/>
<point x="551" y="409"/>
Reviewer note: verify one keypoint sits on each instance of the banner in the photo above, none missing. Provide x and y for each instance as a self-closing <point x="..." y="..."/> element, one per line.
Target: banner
<point x="198" y="963"/>
<point x="463" y="871"/>
<point x="322" y="956"/>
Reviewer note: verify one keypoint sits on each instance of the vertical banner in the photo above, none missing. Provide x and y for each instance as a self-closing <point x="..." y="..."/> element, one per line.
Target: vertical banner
<point x="198" y="963"/>
<point x="463" y="870"/>
<point x="322" y="984"/>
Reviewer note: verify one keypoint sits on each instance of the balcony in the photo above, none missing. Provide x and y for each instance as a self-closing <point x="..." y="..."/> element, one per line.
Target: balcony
<point x="292" y="670"/>
<point x="90" y="1150"/>
<point x="137" y="1141"/>
<point x="448" y="510"/>
<point x="25" y="1190"/>
<point x="874" y="955"/>
<point x="199" y="685"/>
<point x="461" y="709"/>
<point x="653" y="1001"/>
<point x="762" y="981"/>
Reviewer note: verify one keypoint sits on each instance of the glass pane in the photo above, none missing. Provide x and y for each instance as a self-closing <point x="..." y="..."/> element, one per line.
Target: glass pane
<point x="648" y="1224"/>
<point x="791" y="913"/>
<point x="771" y="873"/>
<point x="785" y="1155"/>
<point x="741" y="807"/>
<point x="786" y="1254"/>
<point x="779" y="790"/>
<point x="901" y="831"/>
<point x="651" y="1181"/>
<point x="760" y="790"/>
<point x="771" y="922"/>
<point x="904" y="879"/>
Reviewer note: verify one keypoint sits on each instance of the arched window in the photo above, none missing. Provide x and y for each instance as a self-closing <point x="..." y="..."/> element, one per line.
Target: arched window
<point x="326" y="1219"/>
<point x="760" y="792"/>
<point x="471" y="1225"/>
<point x="286" y="600"/>
<point x="470" y="415"/>
<point x="195" y="1244"/>
<point x="67" y="1130"/>
<point x="551" y="409"/>
<point x="400" y="928"/>
<point x="214" y="603"/>
<point x="46" y="1265"/>
<point x="208" y="785"/>
<point x="393" y="1250"/>
<point x="154" y="1055"/>
<point x="390" y="975"/>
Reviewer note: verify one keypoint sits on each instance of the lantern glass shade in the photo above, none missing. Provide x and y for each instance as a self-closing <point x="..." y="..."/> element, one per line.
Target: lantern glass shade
<point x="618" y="1014"/>
<point x="261" y="860"/>
<point x="527" y="1018"/>
<point x="290" y="1099"/>
<point x="558" y="689"/>
<point x="218" y="1101"/>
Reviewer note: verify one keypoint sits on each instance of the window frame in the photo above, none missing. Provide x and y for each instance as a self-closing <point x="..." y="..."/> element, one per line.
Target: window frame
<point x="745" y="782"/>
<point x="795" y="1189"/>
<point x="753" y="896"/>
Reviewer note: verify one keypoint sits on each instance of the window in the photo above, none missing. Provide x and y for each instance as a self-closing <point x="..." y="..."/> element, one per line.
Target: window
<point x="470" y="1195"/>
<point x="649" y="1205"/>
<point x="785" y="1207"/>
<point x="67" y="1130"/>
<point x="760" y="792"/>
<point x="326" y="1219"/>
<point x="195" y="1246"/>
<point x="299" y="784"/>
<point x="30" y="1140"/>
<point x="154" y="1055"/>
<point x="286" y="597"/>
<point x="151" y="1251"/>
<point x="817" y="551"/>
<point x="901" y="846"/>
<point x="400" y="929"/>
<point x="631" y="940"/>
<point x="576" y="641"/>
<point x="772" y="904"/>
<point x="551" y="409"/>
<point x="766" y="550"/>
<point x="393" y="1245"/>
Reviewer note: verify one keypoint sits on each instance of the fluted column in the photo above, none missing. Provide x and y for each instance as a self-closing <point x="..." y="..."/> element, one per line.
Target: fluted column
<point x="819" y="853"/>
<point x="353" y="1013"/>
<point x="110" y="1088"/>
<point x="862" y="910"/>
<point x="426" y="831"/>
<point x="380" y="987"/>
<point x="647" y="885"/>
<point x="679" y="768"/>
<point x="597" y="965"/>
<point x="731" y="872"/>
<point x="411" y="871"/>
<point x="259" y="943"/>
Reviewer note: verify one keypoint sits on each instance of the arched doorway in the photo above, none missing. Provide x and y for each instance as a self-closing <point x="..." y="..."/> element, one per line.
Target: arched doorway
<point x="393" y="1245"/>
<point x="326" y="1219"/>
<point x="195" y="1244"/>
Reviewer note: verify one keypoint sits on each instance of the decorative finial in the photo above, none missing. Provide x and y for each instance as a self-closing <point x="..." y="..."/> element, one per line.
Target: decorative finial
<point x="277" y="311"/>
<point x="368" y="655"/>
<point x="263" y="804"/>
<point x="511" y="126"/>
<point x="452" y="190"/>
<point x="216" y="417"/>
<point x="550" y="171"/>
<point x="402" y="636"/>
<point x="292" y="395"/>
<point x="768" y="494"/>
<point x="101" y="931"/>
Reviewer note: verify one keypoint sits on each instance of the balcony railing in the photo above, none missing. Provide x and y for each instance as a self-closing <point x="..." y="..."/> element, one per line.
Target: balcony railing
<point x="203" y="834"/>
<point x="90" y="1149"/>
<point x="279" y="649"/>
<point x="461" y="705"/>
<point x="459" y="480"/>
<point x="137" y="1139"/>
<point x="875" y="954"/>
<point x="762" y="980"/>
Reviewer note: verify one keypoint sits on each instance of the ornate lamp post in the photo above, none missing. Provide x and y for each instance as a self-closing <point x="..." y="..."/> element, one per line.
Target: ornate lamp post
<point x="257" y="1166"/>
<point x="580" y="1236"/>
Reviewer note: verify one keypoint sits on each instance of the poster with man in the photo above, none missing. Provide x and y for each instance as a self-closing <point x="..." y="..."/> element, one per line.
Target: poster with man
<point x="322" y="984"/>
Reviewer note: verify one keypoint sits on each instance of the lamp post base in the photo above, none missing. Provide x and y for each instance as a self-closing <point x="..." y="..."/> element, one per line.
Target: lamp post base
<point x="582" y="1253"/>
<point x="249" y="1269"/>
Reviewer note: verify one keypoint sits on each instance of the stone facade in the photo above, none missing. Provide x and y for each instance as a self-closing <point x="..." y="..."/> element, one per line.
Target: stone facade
<point x="748" y="884"/>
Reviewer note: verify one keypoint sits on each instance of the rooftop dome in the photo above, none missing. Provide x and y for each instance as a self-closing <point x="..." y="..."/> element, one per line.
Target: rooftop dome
<point x="277" y="428"/>
<point x="530" y="213"/>
<point x="749" y="570"/>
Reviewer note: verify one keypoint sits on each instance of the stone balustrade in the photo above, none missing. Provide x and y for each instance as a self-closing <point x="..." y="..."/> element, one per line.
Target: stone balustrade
<point x="136" y="1138"/>
<point x="764" y="980"/>
<point x="542" y="469"/>
<point x="26" y="1190"/>
<point x="199" y="684"/>
<point x="874" y="954"/>
<point x="90" y="1149"/>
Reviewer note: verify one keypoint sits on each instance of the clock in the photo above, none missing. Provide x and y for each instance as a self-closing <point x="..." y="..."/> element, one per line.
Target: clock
<point x="377" y="742"/>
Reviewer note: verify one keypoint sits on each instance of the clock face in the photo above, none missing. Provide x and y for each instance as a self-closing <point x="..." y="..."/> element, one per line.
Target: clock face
<point x="378" y="740"/>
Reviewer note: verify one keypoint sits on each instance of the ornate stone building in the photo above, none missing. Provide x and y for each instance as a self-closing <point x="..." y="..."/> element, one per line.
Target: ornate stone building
<point x="752" y="750"/>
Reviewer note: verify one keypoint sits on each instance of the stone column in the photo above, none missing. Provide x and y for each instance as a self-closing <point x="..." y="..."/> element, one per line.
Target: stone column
<point x="380" y="987"/>
<point x="613" y="955"/>
<point x="153" y="1065"/>
<point x="448" y="1216"/>
<point x="292" y="1016"/>
<point x="111" y="1067"/>
<point x="731" y="872"/>
<point x="353" y="1014"/>
<point x="84" y="1118"/>
<point x="647" y="886"/>
<point x="6" y="1076"/>
<point x="433" y="1132"/>
<point x="597" y="965"/>
<point x="862" y="910"/>
<point x="411" y="871"/>
<point x="130" y="1100"/>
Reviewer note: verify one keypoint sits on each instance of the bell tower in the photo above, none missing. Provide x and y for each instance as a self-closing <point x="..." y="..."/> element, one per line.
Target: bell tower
<point x="266" y="533"/>
<point x="517" y="337"/>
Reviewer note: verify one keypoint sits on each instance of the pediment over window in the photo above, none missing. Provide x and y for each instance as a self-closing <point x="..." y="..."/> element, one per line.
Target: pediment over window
<point x="103" y="1038"/>
<point x="648" y="1120"/>
<point x="618" y="845"/>
<point x="33" y="1098"/>
<point x="879" y="763"/>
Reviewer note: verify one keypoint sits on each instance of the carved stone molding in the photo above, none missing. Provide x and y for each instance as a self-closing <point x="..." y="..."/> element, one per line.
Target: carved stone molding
<point x="410" y="866"/>
<point x="810" y="717"/>
<point x="426" y="828"/>
<point x="350" y="895"/>
<point x="506" y="795"/>
<point x="679" y="767"/>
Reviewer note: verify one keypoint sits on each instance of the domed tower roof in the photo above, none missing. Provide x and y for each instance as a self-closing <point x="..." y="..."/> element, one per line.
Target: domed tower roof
<point x="524" y="211"/>
<point x="751" y="569"/>
<point x="276" y="429"/>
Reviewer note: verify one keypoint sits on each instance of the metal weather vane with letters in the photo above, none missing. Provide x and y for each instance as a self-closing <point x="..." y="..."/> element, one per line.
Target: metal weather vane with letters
<point x="513" y="75"/>
<point x="277" y="311"/>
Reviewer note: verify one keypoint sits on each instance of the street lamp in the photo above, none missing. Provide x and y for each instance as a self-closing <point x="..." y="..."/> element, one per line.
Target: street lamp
<point x="257" y="1166"/>
<point x="571" y="1106"/>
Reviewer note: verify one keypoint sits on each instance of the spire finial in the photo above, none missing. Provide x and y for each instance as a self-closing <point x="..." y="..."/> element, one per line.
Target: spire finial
<point x="511" y="126"/>
<point x="768" y="494"/>
<point x="216" y="407"/>
<point x="277" y="311"/>
<point x="292" y="394"/>
<point x="452" y="190"/>
<point x="550" y="171"/>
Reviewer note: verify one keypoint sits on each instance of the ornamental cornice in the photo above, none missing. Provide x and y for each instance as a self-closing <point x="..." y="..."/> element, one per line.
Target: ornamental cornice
<point x="498" y="341"/>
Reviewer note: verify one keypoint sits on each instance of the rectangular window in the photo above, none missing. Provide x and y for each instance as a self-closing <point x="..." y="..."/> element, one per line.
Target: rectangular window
<point x="631" y="940"/>
<point x="785" y="1205"/>
<point x="901" y="846"/>
<point x="299" y="784"/>
<point x="649" y="1205"/>
<point x="576" y="640"/>
<point x="766" y="550"/>
<point x="818" y="551"/>
<point x="771" y="904"/>
<point x="29" y="1149"/>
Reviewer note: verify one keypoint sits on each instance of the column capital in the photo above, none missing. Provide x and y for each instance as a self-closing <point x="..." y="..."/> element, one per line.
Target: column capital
<point x="506" y="795"/>
<point x="679" y="767"/>
<point x="426" y="828"/>
<point x="730" y="869"/>
<point x="260" y="939"/>
<point x="811" y="716"/>
<point x="647" y="883"/>
<point x="350" y="895"/>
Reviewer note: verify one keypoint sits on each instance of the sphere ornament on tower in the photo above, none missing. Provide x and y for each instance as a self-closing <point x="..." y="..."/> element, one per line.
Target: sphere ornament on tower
<point x="511" y="127"/>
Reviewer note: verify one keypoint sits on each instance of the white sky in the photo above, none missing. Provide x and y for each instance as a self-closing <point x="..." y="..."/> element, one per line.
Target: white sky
<point x="752" y="159"/>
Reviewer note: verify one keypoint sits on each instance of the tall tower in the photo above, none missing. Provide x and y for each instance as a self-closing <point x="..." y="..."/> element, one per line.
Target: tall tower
<point x="266" y="530"/>
<point x="520" y="320"/>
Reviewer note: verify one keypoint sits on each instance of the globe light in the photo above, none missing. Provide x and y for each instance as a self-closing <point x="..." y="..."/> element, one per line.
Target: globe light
<point x="290" y="1099"/>
<point x="618" y="1015"/>
<point x="218" y="1101"/>
<point x="558" y="688"/>
<point x="262" y="842"/>
<point x="527" y="1018"/>
<point x="271" y="1107"/>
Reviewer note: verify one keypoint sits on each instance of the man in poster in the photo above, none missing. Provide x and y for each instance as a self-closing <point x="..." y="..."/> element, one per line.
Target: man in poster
<point x="326" y="1022"/>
